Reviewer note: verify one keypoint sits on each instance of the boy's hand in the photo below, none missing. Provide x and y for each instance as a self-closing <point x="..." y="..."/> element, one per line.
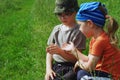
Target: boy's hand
<point x="50" y="74"/>
<point x="54" y="49"/>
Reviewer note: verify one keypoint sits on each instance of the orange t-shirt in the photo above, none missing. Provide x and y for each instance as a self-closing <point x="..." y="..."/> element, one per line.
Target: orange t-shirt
<point x="109" y="56"/>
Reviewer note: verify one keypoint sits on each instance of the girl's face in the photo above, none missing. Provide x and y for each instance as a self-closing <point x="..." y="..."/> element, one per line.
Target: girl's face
<point x="67" y="18"/>
<point x="85" y="28"/>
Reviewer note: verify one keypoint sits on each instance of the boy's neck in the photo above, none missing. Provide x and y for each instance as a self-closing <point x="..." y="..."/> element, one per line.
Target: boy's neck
<point x="72" y="25"/>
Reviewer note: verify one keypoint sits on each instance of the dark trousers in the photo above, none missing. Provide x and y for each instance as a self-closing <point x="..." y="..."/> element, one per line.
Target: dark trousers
<point x="96" y="73"/>
<point x="64" y="71"/>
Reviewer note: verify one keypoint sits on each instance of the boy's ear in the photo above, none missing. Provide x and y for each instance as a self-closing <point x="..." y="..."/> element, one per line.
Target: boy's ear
<point x="90" y="23"/>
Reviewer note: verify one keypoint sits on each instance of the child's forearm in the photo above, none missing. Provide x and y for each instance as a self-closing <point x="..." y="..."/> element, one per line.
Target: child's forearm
<point x="48" y="61"/>
<point x="68" y="56"/>
<point x="90" y="64"/>
<point x="79" y="55"/>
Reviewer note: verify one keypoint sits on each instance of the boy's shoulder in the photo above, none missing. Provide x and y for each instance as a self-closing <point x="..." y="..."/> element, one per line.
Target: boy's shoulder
<point x="58" y="27"/>
<point x="62" y="26"/>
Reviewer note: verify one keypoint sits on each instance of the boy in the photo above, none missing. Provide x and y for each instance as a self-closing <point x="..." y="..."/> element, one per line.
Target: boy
<point x="63" y="33"/>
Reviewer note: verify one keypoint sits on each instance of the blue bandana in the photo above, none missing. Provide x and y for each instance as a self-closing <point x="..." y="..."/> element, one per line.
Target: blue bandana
<point x="91" y="11"/>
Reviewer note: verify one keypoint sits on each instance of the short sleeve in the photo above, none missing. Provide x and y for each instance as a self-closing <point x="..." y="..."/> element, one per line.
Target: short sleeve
<point x="97" y="48"/>
<point x="80" y="41"/>
<point x="52" y="35"/>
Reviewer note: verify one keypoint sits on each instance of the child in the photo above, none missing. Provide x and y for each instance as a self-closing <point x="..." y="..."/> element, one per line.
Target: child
<point x="63" y="33"/>
<point x="103" y="60"/>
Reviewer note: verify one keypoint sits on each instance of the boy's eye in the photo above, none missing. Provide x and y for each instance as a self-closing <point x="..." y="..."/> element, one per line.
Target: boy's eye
<point x="66" y="13"/>
<point x="59" y="14"/>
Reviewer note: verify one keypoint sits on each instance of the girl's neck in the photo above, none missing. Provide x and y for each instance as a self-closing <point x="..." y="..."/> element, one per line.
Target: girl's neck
<point x="97" y="32"/>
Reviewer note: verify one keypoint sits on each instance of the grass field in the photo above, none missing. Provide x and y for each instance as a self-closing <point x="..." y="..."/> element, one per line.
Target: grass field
<point x="25" y="26"/>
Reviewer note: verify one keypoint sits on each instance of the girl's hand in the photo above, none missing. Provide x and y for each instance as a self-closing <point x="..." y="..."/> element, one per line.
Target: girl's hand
<point x="68" y="47"/>
<point x="76" y="66"/>
<point x="71" y="48"/>
<point x="79" y="64"/>
<point x="54" y="49"/>
<point x="50" y="75"/>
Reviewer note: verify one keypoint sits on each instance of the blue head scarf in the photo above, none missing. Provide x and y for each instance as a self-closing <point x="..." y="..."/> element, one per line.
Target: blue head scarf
<point x="91" y="11"/>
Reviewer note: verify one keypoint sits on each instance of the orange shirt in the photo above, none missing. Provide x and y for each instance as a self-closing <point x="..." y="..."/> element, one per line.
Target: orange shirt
<point x="109" y="56"/>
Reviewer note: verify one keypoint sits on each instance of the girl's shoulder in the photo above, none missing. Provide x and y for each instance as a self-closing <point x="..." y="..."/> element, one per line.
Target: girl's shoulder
<point x="103" y="37"/>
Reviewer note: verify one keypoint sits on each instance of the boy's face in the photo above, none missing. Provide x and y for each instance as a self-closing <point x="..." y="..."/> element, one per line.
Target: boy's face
<point x="66" y="18"/>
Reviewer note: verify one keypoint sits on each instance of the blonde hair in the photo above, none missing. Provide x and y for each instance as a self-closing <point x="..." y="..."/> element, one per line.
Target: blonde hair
<point x="112" y="27"/>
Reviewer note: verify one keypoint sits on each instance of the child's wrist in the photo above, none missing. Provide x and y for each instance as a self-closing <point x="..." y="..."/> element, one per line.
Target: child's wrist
<point x="73" y="50"/>
<point x="75" y="53"/>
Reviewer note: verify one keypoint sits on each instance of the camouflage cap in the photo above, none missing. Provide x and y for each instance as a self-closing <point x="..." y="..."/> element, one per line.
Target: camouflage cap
<point x="66" y="6"/>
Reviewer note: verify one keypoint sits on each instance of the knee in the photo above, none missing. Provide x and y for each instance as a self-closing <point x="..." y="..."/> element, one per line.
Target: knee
<point x="82" y="73"/>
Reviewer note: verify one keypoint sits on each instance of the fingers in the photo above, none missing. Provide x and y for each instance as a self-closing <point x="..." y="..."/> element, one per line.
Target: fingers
<point x="49" y="48"/>
<point x="64" y="44"/>
<point x="70" y="42"/>
<point x="47" y="77"/>
<point x="52" y="49"/>
<point x="50" y="76"/>
<point x="76" y="66"/>
<point x="53" y="75"/>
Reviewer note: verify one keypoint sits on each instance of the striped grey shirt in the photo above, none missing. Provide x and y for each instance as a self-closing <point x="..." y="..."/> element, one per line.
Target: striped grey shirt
<point x="63" y="34"/>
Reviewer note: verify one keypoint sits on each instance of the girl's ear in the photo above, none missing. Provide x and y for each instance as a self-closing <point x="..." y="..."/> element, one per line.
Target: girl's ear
<point x="90" y="23"/>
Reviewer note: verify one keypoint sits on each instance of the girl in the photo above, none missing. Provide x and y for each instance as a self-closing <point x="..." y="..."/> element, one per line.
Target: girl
<point x="62" y="68"/>
<point x="103" y="60"/>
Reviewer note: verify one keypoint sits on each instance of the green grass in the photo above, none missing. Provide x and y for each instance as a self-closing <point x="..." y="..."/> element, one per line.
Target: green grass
<point x="25" y="26"/>
<point x="16" y="60"/>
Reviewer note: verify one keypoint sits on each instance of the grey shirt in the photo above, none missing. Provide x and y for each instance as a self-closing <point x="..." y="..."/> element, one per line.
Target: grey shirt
<point x="63" y="34"/>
